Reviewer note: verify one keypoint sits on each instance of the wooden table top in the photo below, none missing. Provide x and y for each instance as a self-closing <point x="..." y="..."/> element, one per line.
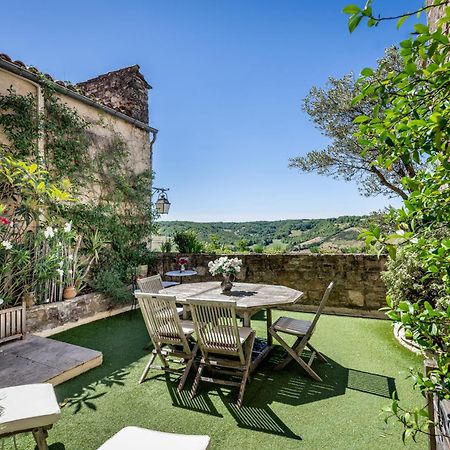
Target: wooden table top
<point x="247" y="295"/>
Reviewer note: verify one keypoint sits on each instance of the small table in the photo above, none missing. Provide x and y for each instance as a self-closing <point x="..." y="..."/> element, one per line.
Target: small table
<point x="181" y="274"/>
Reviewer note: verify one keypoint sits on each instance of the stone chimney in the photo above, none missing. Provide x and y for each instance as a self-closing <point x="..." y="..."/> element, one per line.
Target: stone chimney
<point x="124" y="90"/>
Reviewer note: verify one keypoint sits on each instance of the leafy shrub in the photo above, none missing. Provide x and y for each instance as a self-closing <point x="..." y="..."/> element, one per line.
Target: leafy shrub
<point x="110" y="282"/>
<point x="276" y="248"/>
<point x="188" y="242"/>
<point x="407" y="280"/>
<point x="258" y="248"/>
<point x="166" y="246"/>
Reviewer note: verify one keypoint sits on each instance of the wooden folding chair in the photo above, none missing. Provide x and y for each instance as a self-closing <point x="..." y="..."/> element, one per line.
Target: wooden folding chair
<point x="166" y="328"/>
<point x="154" y="284"/>
<point x="223" y="344"/>
<point x="150" y="284"/>
<point x="303" y="330"/>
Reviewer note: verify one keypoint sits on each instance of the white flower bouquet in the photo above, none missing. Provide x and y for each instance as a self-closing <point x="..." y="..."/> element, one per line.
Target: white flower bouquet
<point x="225" y="266"/>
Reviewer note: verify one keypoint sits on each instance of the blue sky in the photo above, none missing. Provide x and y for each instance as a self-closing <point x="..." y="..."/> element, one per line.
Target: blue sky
<point x="228" y="78"/>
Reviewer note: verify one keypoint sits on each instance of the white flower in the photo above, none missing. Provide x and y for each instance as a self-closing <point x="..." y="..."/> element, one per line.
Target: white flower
<point x="60" y="272"/>
<point x="70" y="257"/>
<point x="61" y="263"/>
<point x="49" y="232"/>
<point x="7" y="245"/>
<point x="68" y="227"/>
<point x="443" y="187"/>
<point x="225" y="265"/>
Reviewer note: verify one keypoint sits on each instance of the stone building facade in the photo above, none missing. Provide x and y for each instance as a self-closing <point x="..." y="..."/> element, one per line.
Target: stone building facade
<point x="115" y="103"/>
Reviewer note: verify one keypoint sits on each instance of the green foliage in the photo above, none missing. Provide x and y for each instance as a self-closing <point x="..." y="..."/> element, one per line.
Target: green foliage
<point x="188" y="242"/>
<point x="336" y="115"/>
<point x="111" y="282"/>
<point x="166" y="246"/>
<point x="276" y="248"/>
<point x="225" y="237"/>
<point x="19" y="121"/>
<point x="258" y="248"/>
<point x="415" y="128"/>
<point x="66" y="140"/>
<point x="242" y="245"/>
<point x="407" y="280"/>
<point x="26" y="196"/>
<point x="121" y="210"/>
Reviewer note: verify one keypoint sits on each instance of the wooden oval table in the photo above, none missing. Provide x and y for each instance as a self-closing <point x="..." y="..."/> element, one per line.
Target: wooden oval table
<point x="250" y="298"/>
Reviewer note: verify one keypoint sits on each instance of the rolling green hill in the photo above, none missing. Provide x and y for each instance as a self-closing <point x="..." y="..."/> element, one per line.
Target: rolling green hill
<point x="293" y="235"/>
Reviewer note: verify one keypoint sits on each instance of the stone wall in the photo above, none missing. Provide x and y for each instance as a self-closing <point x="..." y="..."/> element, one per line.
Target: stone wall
<point x="359" y="289"/>
<point x="51" y="316"/>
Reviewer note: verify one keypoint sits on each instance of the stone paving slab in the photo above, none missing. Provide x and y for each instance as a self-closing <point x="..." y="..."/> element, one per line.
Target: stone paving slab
<point x="37" y="359"/>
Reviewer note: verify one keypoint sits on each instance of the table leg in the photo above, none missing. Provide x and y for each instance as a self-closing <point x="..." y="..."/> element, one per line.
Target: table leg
<point x="246" y="320"/>
<point x="269" y="324"/>
<point x="185" y="312"/>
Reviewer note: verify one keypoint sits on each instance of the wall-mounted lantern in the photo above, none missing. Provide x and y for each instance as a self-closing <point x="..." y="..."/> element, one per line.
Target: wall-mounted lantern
<point x="162" y="204"/>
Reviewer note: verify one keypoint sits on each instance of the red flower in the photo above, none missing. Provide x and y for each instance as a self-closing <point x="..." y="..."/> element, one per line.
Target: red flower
<point x="4" y="220"/>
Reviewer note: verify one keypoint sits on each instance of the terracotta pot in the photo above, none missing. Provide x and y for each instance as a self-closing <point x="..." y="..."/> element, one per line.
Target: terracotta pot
<point x="69" y="292"/>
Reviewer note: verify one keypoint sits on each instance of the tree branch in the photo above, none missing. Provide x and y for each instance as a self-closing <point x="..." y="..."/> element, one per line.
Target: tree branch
<point x="386" y="183"/>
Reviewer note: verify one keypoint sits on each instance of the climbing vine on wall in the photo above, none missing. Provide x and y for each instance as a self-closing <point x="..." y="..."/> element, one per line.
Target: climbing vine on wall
<point x="66" y="139"/>
<point x="19" y="120"/>
<point x="116" y="200"/>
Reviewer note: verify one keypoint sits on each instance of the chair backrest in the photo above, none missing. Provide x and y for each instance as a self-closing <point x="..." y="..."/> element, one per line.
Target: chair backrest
<point x="162" y="319"/>
<point x="150" y="284"/>
<point x="216" y="327"/>
<point x="321" y="307"/>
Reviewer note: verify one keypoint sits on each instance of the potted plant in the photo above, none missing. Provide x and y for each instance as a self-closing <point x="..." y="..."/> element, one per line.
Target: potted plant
<point x="228" y="268"/>
<point x="182" y="263"/>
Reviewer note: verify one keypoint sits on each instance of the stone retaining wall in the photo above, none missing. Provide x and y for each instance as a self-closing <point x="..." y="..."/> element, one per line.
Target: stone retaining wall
<point x="359" y="289"/>
<point x="50" y="316"/>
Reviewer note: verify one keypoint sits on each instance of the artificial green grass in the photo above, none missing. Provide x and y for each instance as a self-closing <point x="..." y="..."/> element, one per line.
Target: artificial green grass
<point x="282" y="410"/>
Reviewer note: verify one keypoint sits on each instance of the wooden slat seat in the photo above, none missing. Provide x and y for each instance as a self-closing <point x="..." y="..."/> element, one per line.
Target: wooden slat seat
<point x="154" y="284"/>
<point x="186" y="325"/>
<point x="222" y="342"/>
<point x="303" y="330"/>
<point x="222" y="336"/>
<point x="292" y="326"/>
<point x="166" y="328"/>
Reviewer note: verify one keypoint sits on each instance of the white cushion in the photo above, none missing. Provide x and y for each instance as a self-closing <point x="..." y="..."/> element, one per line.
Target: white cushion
<point x="28" y="406"/>
<point x="142" y="439"/>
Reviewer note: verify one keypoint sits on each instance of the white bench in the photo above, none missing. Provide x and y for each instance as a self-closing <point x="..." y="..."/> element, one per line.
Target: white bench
<point x="31" y="407"/>
<point x="142" y="439"/>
